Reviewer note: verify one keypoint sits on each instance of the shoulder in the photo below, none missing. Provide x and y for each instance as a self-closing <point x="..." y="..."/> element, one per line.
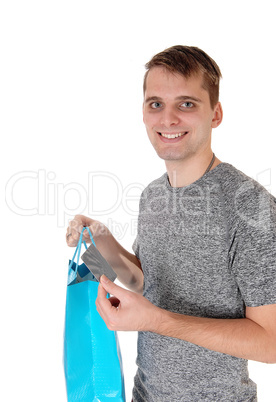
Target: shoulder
<point x="231" y="175"/>
<point x="246" y="200"/>
<point x="236" y="184"/>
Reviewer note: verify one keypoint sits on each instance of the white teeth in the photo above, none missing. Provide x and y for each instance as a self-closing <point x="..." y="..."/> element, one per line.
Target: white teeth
<point x="172" y="135"/>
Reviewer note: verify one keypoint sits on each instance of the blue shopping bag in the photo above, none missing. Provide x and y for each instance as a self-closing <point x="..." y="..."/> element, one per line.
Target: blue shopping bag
<point x="92" y="358"/>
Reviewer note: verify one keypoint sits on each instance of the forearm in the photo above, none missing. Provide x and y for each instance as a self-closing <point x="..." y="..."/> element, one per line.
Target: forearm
<point x="241" y="338"/>
<point x="252" y="338"/>
<point x="125" y="264"/>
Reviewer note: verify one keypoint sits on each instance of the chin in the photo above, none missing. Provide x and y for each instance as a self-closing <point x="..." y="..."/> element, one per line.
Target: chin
<point x="170" y="155"/>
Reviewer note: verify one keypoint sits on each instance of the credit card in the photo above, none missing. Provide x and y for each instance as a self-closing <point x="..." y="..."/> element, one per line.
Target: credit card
<point x="97" y="264"/>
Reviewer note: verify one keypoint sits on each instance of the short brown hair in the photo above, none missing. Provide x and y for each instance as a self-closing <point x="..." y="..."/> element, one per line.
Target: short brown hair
<point x="188" y="61"/>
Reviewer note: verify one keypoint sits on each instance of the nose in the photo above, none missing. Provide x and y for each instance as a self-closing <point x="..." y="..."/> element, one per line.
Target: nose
<point x="169" y="117"/>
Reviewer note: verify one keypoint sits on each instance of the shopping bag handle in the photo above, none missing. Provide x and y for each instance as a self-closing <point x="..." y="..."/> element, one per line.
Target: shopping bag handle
<point x="77" y="252"/>
<point x="85" y="245"/>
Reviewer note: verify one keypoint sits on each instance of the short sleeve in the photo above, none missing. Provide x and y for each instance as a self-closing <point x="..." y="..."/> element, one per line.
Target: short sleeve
<point x="136" y="244"/>
<point x="253" y="251"/>
<point x="135" y="247"/>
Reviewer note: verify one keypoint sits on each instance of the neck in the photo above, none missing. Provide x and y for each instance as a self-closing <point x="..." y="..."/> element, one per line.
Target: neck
<point x="181" y="173"/>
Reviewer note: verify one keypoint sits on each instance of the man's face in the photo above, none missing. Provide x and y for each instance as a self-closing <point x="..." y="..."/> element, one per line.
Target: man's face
<point x="178" y="115"/>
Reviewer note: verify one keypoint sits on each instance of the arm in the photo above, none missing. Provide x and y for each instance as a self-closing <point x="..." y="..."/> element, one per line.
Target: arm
<point x="253" y="337"/>
<point x="126" y="265"/>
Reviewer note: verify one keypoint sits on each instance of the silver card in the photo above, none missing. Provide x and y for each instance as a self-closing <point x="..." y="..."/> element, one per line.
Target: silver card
<point x="97" y="264"/>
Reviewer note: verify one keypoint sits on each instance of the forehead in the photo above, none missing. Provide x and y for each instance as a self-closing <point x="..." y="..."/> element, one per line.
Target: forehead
<point x="163" y="83"/>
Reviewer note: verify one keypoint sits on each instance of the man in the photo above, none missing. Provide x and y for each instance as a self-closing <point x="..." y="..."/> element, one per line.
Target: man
<point x="205" y="253"/>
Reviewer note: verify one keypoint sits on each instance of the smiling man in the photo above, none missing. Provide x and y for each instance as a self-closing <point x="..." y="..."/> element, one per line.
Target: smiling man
<point x="205" y="252"/>
<point x="179" y="119"/>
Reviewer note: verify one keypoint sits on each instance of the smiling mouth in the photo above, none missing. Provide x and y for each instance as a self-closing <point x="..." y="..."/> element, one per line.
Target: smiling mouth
<point x="173" y="135"/>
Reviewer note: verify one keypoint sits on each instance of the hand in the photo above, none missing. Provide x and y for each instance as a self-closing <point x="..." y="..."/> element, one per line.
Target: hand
<point x="126" y="310"/>
<point x="77" y="224"/>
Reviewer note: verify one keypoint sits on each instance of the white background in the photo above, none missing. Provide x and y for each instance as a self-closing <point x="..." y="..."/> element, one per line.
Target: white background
<point x="71" y="101"/>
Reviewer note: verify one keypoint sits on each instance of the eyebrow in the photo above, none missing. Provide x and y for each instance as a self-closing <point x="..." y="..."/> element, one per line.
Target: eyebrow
<point x="178" y="98"/>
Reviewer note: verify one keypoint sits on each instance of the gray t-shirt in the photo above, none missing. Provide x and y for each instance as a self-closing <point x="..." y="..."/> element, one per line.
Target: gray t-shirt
<point x="207" y="250"/>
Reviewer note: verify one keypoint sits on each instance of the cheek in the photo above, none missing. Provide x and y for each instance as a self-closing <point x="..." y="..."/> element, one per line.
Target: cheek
<point x="147" y="117"/>
<point x="199" y="122"/>
<point x="149" y="121"/>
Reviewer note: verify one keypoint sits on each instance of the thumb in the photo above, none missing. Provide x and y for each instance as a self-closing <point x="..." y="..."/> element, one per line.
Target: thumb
<point x="110" y="287"/>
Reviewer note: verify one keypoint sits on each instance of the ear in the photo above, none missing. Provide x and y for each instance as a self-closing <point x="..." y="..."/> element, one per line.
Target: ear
<point x="218" y="115"/>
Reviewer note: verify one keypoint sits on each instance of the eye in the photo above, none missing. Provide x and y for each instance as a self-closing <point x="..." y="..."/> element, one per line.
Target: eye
<point x="187" y="105"/>
<point x="155" y="105"/>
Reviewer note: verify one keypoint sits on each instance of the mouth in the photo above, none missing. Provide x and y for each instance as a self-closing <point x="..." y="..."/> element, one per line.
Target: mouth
<point x="172" y="135"/>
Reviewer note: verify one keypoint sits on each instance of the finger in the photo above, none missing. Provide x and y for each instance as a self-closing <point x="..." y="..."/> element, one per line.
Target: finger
<point x="112" y="288"/>
<point x="77" y="225"/>
<point x="72" y="237"/>
<point x="70" y="240"/>
<point x="86" y="234"/>
<point x="96" y="228"/>
<point x="74" y="230"/>
<point x="102" y="293"/>
<point x="102" y="303"/>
